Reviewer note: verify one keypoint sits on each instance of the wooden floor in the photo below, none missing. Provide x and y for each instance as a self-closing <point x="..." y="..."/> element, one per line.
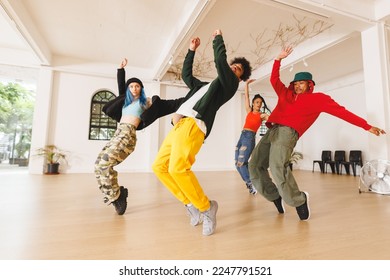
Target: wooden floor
<point x="63" y="217"/>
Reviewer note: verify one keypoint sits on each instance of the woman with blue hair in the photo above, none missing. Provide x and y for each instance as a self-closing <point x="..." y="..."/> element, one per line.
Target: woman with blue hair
<point x="122" y="144"/>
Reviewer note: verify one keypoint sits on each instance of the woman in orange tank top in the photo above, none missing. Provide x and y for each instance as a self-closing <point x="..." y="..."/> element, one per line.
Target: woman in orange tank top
<point x="247" y="140"/>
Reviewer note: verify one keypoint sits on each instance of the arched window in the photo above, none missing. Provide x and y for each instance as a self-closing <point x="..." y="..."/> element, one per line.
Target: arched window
<point x="101" y="126"/>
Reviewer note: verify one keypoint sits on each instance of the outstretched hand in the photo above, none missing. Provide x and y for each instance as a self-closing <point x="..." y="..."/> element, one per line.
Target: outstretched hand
<point x="286" y="51"/>
<point x="377" y="131"/>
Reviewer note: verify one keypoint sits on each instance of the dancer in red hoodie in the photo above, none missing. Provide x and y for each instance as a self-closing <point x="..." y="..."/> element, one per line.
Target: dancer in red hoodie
<point x="297" y="109"/>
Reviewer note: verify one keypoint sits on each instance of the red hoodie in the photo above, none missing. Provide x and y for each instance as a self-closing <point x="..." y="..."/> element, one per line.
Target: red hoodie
<point x="299" y="111"/>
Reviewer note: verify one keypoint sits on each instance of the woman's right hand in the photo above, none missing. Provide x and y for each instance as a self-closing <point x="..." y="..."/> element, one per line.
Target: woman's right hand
<point x="250" y="81"/>
<point x="123" y="63"/>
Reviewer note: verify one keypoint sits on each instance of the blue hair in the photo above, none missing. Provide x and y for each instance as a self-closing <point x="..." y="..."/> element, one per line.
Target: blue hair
<point x="129" y="98"/>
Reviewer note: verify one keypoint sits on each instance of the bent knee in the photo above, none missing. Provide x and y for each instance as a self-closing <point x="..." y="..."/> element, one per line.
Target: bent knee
<point x="159" y="168"/>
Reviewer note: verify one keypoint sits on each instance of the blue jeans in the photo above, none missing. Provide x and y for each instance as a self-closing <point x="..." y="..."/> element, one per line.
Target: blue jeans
<point x="244" y="149"/>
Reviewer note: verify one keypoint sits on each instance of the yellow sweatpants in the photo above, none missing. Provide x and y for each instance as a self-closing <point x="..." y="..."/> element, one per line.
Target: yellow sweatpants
<point x="174" y="160"/>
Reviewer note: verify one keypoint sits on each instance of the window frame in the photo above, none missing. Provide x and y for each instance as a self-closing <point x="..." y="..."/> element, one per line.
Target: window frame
<point x="101" y="126"/>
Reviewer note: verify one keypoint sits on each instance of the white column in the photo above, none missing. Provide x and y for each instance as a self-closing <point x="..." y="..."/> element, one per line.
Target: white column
<point x="376" y="80"/>
<point x="41" y="121"/>
<point x="154" y="128"/>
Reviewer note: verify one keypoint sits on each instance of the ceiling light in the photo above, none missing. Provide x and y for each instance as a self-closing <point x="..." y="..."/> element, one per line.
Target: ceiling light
<point x="305" y="63"/>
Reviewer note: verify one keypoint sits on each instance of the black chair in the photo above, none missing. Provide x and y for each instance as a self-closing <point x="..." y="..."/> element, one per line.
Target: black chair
<point x="355" y="159"/>
<point x="326" y="156"/>
<point x="339" y="157"/>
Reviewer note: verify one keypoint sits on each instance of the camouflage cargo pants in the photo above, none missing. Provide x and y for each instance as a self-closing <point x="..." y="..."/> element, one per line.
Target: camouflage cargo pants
<point x="116" y="150"/>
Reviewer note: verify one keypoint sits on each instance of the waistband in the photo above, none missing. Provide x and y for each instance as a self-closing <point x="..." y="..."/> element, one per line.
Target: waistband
<point x="127" y="126"/>
<point x="248" y="131"/>
<point x="276" y="125"/>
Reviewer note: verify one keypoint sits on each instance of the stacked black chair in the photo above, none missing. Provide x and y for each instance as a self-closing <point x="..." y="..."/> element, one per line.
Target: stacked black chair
<point x="355" y="159"/>
<point x="326" y="157"/>
<point x="339" y="158"/>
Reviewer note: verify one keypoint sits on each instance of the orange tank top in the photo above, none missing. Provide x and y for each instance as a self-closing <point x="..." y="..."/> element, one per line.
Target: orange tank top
<point x="253" y="121"/>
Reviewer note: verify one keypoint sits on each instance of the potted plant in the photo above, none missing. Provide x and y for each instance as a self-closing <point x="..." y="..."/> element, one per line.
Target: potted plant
<point x="22" y="150"/>
<point x="53" y="157"/>
<point x="295" y="157"/>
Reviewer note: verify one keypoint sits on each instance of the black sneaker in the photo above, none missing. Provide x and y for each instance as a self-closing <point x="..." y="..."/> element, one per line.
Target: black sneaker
<point x="121" y="203"/>
<point x="279" y="205"/>
<point x="303" y="210"/>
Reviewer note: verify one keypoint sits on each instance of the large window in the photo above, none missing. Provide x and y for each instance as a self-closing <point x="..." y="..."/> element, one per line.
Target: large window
<point x="101" y="126"/>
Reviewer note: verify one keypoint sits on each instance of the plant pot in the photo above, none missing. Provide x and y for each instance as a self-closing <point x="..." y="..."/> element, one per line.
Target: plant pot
<point x="23" y="162"/>
<point x="52" y="168"/>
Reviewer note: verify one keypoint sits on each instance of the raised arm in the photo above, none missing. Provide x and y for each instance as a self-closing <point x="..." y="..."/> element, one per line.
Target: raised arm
<point x="276" y="83"/>
<point x="121" y="77"/>
<point x="186" y="72"/>
<point x="248" y="107"/>
<point x="226" y="76"/>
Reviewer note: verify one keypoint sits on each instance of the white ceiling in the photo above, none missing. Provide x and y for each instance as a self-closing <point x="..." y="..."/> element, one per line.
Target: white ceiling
<point x="93" y="36"/>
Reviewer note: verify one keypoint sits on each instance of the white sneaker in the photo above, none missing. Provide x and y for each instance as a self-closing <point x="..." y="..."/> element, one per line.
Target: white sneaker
<point x="252" y="190"/>
<point x="210" y="218"/>
<point x="194" y="214"/>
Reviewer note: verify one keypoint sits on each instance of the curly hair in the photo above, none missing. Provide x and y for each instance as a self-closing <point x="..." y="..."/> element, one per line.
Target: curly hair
<point x="246" y="67"/>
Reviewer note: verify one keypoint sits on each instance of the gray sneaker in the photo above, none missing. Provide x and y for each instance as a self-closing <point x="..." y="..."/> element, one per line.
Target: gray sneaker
<point x="194" y="214"/>
<point x="210" y="218"/>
